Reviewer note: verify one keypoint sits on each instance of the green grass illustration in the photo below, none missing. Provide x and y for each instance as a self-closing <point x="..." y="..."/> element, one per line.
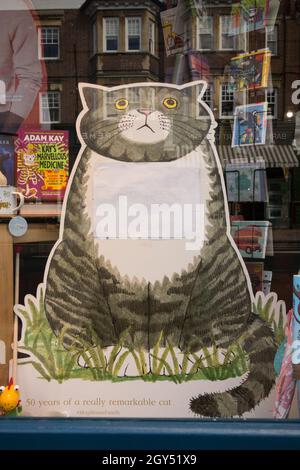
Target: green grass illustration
<point x="52" y="361"/>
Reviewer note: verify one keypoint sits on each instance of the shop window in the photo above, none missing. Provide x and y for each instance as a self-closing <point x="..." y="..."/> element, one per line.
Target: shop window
<point x="133" y="34"/>
<point x="227" y="101"/>
<point x="272" y="99"/>
<point x="49" y="41"/>
<point x="50" y="107"/>
<point x="111" y="34"/>
<point x="272" y="40"/>
<point x="227" y="41"/>
<point x="152" y="44"/>
<point x="205" y="33"/>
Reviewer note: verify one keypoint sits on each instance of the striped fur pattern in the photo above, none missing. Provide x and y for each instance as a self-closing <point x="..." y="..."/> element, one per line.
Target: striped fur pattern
<point x="207" y="303"/>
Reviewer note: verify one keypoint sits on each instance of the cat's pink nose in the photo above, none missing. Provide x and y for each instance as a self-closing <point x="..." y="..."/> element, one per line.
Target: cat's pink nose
<point x="145" y="111"/>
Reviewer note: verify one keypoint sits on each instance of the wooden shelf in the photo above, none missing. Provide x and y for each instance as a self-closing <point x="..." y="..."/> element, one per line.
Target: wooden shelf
<point x="32" y="211"/>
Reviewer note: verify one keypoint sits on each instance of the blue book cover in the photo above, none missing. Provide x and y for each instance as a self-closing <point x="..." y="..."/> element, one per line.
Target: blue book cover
<point x="7" y="160"/>
<point x="250" y="125"/>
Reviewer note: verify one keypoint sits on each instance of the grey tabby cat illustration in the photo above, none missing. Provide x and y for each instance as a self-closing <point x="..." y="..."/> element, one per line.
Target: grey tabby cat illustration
<point x="206" y="298"/>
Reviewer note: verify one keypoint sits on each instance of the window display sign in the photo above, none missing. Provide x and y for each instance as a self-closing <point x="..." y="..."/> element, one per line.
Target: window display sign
<point x="133" y="326"/>
<point x="42" y="164"/>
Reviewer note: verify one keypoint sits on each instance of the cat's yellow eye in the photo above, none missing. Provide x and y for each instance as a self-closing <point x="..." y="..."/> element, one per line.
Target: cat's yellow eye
<point x="121" y="104"/>
<point x="170" y="103"/>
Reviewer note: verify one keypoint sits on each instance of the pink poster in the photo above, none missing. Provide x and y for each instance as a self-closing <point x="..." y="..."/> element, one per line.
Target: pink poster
<point x="42" y="164"/>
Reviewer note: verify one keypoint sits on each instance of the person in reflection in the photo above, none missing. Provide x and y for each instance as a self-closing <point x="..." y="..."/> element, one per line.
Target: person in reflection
<point x="20" y="67"/>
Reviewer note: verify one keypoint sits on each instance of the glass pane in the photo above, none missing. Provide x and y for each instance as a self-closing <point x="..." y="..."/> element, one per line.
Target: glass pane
<point x="134" y="43"/>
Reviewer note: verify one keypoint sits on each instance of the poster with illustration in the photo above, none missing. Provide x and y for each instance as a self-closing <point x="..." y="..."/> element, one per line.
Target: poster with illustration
<point x="249" y="15"/>
<point x="250" y="71"/>
<point x="7" y="160"/>
<point x="250" y="124"/>
<point x="42" y="164"/>
<point x="173" y="31"/>
<point x="147" y="308"/>
<point x="254" y="238"/>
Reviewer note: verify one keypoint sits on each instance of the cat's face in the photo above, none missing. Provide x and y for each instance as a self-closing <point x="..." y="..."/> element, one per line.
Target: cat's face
<point x="144" y="122"/>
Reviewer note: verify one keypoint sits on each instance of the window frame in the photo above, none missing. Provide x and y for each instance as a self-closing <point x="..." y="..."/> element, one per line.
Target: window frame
<point x="210" y="88"/>
<point x="117" y="19"/>
<point x="221" y="116"/>
<point x="211" y="34"/>
<point x="41" y="108"/>
<point x="234" y="38"/>
<point x="275" y="104"/>
<point x="276" y="30"/>
<point x="41" y="48"/>
<point x="94" y="38"/>
<point x="127" y="35"/>
<point x="152" y="37"/>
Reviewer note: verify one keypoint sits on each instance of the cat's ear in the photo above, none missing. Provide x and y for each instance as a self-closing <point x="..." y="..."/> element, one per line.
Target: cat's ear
<point x="199" y="85"/>
<point x="91" y="95"/>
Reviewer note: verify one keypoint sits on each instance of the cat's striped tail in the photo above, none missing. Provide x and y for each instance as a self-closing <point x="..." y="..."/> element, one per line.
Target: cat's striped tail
<point x="259" y="343"/>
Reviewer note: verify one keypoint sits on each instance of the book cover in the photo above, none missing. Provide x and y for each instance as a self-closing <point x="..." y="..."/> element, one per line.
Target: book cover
<point x="42" y="164"/>
<point x="7" y="160"/>
<point x="250" y="124"/>
<point x="255" y="270"/>
<point x="251" y="238"/>
<point x="173" y="38"/>
<point x="251" y="71"/>
<point x="246" y="183"/>
<point x="249" y="15"/>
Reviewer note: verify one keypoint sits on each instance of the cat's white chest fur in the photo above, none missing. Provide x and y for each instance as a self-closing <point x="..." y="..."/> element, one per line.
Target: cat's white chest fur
<point x="148" y="219"/>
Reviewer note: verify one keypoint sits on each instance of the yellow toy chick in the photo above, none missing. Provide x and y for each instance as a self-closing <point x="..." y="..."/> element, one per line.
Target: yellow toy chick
<point x="9" y="397"/>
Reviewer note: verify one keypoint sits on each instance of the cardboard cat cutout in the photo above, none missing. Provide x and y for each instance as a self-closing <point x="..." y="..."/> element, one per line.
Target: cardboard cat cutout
<point x="157" y="292"/>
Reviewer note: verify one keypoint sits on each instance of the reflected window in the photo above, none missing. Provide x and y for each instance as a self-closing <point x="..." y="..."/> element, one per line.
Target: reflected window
<point x="272" y="40"/>
<point x="111" y="34"/>
<point x="272" y="99"/>
<point x="208" y="96"/>
<point x="152" y="45"/>
<point x="49" y="42"/>
<point x="205" y="33"/>
<point x="50" y="107"/>
<point x="133" y="34"/>
<point x="227" y="101"/>
<point x="94" y="39"/>
<point x="227" y="41"/>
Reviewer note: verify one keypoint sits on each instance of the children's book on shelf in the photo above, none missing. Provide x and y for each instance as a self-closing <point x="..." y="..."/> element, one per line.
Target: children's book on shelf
<point x="254" y="238"/>
<point x="255" y="270"/>
<point x="246" y="182"/>
<point x="7" y="160"/>
<point x="250" y="124"/>
<point x="251" y="71"/>
<point x="42" y="164"/>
